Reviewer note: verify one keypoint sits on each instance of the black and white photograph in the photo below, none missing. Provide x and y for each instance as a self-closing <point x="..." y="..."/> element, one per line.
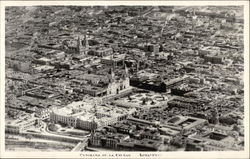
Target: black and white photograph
<point x="125" y="78"/>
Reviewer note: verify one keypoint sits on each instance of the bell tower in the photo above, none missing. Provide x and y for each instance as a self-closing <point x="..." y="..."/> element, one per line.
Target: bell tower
<point x="82" y="44"/>
<point x="112" y="76"/>
<point x="125" y="75"/>
<point x="79" y="45"/>
<point x="86" y="42"/>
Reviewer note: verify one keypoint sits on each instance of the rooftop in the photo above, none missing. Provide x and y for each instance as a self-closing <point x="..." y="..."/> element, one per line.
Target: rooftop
<point x="116" y="57"/>
<point x="87" y="110"/>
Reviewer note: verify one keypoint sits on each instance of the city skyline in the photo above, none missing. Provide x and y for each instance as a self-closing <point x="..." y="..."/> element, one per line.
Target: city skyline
<point x="124" y="78"/>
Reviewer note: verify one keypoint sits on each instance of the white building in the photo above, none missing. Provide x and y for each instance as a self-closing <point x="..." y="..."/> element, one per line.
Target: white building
<point x="89" y="116"/>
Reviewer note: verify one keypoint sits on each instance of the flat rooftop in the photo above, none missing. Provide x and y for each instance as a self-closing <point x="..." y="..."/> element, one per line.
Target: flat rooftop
<point x="87" y="110"/>
<point x="116" y="57"/>
<point x="186" y="122"/>
<point x="23" y="119"/>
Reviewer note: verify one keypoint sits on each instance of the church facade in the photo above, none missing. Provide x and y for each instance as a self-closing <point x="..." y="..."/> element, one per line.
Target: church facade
<point x="100" y="86"/>
<point x="116" y="86"/>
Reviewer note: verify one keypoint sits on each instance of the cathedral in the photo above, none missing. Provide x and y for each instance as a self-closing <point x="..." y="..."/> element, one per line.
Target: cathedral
<point x="100" y="86"/>
<point x="115" y="86"/>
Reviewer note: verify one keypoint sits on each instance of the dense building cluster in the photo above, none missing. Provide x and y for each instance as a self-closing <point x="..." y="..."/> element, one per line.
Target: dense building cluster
<point x="138" y="78"/>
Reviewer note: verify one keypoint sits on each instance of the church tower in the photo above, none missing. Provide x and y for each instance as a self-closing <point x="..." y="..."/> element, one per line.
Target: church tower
<point x="79" y="45"/>
<point x="215" y="116"/>
<point x="126" y="82"/>
<point x="125" y="75"/>
<point x="112" y="76"/>
<point x="82" y="45"/>
<point x="86" y="42"/>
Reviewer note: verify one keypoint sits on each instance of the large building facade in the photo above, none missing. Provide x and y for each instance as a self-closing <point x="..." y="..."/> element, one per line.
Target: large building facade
<point x="113" y="86"/>
<point x="88" y="116"/>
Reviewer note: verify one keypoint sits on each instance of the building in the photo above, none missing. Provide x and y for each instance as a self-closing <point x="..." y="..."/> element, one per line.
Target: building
<point x="116" y="86"/>
<point x="170" y="83"/>
<point x="148" y="81"/>
<point x="147" y="84"/>
<point x="215" y="59"/>
<point x="180" y="91"/>
<point x="187" y="123"/>
<point x="155" y="48"/>
<point x="88" y="116"/>
<point x="42" y="61"/>
<point x="101" y="52"/>
<point x="120" y="141"/>
<point x="139" y="121"/>
<point x="114" y="60"/>
<point x="213" y="141"/>
<point x="100" y="86"/>
<point x="210" y="54"/>
<point x="109" y="140"/>
<point x="81" y="46"/>
<point x="214" y="116"/>
<point x="147" y="145"/>
<point x="43" y="113"/>
<point x="24" y="122"/>
<point x="21" y="66"/>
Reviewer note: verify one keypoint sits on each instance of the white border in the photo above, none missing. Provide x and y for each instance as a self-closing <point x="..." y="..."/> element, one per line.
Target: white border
<point x="224" y="154"/>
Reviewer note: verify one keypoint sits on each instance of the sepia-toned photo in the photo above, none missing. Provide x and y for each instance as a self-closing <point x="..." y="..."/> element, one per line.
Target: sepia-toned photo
<point x="125" y="79"/>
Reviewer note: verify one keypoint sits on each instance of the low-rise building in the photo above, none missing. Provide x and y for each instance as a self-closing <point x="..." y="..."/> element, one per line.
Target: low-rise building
<point x="114" y="60"/>
<point x="24" y="122"/>
<point x="88" y="116"/>
<point x="99" y="85"/>
<point x="101" y="52"/>
<point x="213" y="141"/>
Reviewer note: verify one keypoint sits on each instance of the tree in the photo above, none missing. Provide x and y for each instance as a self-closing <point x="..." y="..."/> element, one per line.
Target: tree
<point x="52" y="127"/>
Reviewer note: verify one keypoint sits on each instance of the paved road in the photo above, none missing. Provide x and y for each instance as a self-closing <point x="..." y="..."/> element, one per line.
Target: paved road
<point x="80" y="146"/>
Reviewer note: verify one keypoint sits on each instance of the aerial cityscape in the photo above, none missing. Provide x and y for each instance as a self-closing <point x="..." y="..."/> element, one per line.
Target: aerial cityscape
<point x="124" y="78"/>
